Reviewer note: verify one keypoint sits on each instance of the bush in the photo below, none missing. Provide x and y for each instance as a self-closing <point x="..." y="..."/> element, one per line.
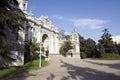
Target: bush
<point x="109" y="57"/>
<point x="83" y="55"/>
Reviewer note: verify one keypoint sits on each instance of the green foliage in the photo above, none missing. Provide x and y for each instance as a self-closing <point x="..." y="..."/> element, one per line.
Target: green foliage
<point x="108" y="57"/>
<point x="5" y="58"/>
<point x="5" y="53"/>
<point x="118" y="48"/>
<point x="5" y="3"/>
<point x="44" y="63"/>
<point x="67" y="37"/>
<point x="10" y="19"/>
<point x="82" y="55"/>
<point x="9" y="15"/>
<point x="90" y="47"/>
<point x="82" y="44"/>
<point x="107" y="43"/>
<point x="87" y="47"/>
<point x="32" y="65"/>
<point x="106" y="34"/>
<point x="32" y="46"/>
<point x="67" y="45"/>
<point x="100" y="50"/>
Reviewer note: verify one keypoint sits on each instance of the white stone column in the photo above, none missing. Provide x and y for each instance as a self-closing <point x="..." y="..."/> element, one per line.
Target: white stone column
<point x="77" y="48"/>
<point x="56" y="44"/>
<point x="51" y="47"/>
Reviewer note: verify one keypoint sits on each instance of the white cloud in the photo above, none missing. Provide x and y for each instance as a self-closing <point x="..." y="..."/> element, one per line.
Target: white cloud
<point x="58" y="17"/>
<point x="89" y="23"/>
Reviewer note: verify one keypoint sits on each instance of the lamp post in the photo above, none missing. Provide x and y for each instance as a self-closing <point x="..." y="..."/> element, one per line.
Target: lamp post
<point x="40" y="51"/>
<point x="40" y="57"/>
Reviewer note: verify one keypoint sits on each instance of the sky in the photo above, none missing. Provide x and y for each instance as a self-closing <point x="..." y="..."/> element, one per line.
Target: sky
<point x="88" y="17"/>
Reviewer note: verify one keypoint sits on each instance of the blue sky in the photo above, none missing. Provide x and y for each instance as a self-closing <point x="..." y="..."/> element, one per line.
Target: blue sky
<point x="89" y="17"/>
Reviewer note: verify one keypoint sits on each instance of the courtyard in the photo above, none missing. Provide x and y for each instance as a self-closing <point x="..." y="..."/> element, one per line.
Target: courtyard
<point x="72" y="68"/>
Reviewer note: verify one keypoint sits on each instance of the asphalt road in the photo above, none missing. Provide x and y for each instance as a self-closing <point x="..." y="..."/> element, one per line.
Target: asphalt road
<point x="62" y="68"/>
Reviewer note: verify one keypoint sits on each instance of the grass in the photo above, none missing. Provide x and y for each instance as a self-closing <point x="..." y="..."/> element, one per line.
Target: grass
<point x="108" y="57"/>
<point x="33" y="65"/>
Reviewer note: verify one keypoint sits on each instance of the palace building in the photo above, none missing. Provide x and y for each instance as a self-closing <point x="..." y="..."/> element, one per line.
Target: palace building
<point x="45" y="32"/>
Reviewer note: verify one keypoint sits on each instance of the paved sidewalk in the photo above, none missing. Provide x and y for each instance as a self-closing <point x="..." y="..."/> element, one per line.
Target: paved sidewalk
<point x="61" y="68"/>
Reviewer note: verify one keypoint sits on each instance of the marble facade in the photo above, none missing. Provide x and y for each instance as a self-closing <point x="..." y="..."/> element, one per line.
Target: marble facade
<point x="43" y="30"/>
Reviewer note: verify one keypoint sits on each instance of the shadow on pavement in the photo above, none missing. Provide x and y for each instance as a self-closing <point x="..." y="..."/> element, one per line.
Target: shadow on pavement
<point x="51" y="77"/>
<point x="115" y="65"/>
<point x="80" y="73"/>
<point x="74" y="73"/>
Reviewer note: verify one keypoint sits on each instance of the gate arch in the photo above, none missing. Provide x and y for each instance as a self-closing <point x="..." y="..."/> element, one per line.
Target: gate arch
<point x="45" y="41"/>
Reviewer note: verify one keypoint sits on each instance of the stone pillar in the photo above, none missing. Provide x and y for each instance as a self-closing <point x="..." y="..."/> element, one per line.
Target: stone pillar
<point x="56" y="44"/>
<point x="51" y="44"/>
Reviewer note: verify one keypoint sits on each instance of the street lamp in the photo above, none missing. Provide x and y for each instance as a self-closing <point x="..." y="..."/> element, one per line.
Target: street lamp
<point x="40" y="56"/>
<point x="40" y="50"/>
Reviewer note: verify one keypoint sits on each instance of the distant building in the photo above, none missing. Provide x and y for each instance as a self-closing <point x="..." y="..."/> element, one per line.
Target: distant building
<point x="116" y="39"/>
<point x="74" y="38"/>
<point x="75" y="41"/>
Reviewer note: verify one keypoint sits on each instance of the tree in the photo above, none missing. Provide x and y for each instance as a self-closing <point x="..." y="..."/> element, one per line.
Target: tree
<point x="107" y="43"/>
<point x="87" y="47"/>
<point x="100" y="50"/>
<point x="67" y="37"/>
<point x="67" y="45"/>
<point x="82" y="46"/>
<point x="118" y="48"/>
<point x="11" y="19"/>
<point x="31" y="47"/>
<point x="106" y="34"/>
<point x="90" y="47"/>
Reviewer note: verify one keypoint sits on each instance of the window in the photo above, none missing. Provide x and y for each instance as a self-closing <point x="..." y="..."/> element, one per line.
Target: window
<point x="13" y="35"/>
<point x="24" y="6"/>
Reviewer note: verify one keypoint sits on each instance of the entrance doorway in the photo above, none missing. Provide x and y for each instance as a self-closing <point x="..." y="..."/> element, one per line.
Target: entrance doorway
<point x="45" y="41"/>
